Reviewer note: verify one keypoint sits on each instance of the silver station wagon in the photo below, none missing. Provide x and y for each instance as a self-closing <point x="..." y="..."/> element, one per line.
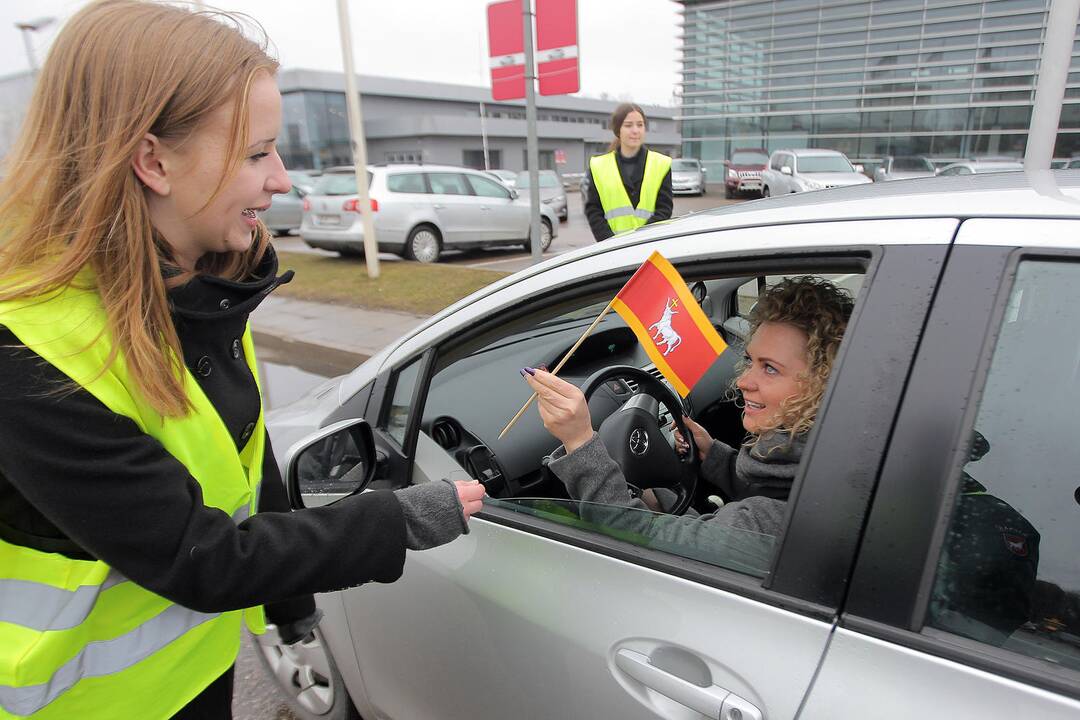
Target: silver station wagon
<point x="420" y="210"/>
<point x="927" y="565"/>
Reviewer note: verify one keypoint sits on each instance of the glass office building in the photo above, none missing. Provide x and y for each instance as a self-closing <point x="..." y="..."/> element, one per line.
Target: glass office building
<point x="869" y="78"/>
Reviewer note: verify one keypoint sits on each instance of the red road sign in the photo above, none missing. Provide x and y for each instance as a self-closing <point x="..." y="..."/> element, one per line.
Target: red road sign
<point x="506" y="50"/>
<point x="557" y="46"/>
<point x="560" y="157"/>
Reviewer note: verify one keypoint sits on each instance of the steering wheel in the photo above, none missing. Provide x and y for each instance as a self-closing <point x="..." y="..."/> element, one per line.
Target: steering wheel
<point x="633" y="438"/>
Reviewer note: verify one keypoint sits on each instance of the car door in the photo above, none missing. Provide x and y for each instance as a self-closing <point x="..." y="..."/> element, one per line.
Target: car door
<point x="535" y="615"/>
<point x="502" y="219"/>
<point x="406" y="203"/>
<point x="966" y="596"/>
<point x="460" y="218"/>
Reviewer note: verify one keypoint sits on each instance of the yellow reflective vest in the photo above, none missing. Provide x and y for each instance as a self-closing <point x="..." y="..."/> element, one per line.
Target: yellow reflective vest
<point x="620" y="213"/>
<point x="77" y="638"/>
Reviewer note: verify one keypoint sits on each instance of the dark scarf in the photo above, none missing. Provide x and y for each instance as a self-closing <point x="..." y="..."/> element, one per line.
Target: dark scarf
<point x="768" y="467"/>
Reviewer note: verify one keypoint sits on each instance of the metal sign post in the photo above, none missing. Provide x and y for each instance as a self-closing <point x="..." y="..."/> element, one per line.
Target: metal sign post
<point x="532" y="147"/>
<point x="359" y="148"/>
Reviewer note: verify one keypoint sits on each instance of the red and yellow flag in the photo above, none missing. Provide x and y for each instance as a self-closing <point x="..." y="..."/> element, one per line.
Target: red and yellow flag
<point x="669" y="323"/>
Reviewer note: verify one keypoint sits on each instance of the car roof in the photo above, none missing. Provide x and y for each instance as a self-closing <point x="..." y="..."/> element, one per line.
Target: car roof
<point x="806" y="152"/>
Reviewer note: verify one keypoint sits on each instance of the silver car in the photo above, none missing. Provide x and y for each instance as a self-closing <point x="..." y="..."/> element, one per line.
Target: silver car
<point x="928" y="561"/>
<point x="506" y="177"/>
<point x="793" y="171"/>
<point x="420" y="210"/>
<point x="687" y="177"/>
<point x="971" y="167"/>
<point x="285" y="212"/>
<point x="552" y="192"/>
<point x="903" y="168"/>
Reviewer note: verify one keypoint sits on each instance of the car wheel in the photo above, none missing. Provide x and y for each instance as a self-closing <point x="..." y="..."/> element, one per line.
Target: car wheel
<point x="307" y="675"/>
<point x="424" y="244"/>
<point x="545" y="237"/>
<point x="765" y="191"/>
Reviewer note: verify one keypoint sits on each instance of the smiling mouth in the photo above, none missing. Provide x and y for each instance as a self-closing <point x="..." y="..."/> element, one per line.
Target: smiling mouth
<point x="249" y="212"/>
<point x="753" y="405"/>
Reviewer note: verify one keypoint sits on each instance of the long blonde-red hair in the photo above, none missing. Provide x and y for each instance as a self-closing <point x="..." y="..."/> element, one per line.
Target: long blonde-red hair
<point x="120" y="69"/>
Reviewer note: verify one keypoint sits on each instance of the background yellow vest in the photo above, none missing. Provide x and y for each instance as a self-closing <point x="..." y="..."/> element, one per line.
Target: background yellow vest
<point x="619" y="212"/>
<point x="77" y="639"/>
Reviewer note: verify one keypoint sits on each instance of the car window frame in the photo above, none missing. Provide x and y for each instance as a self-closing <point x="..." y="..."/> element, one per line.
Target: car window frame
<point x="892" y="582"/>
<point x="800" y="590"/>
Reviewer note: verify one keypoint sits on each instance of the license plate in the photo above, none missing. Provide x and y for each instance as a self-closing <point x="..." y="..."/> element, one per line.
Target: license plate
<point x="755" y="184"/>
<point x="329" y="219"/>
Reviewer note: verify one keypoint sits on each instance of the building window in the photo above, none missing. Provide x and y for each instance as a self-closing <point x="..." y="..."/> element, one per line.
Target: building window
<point x="475" y="159"/>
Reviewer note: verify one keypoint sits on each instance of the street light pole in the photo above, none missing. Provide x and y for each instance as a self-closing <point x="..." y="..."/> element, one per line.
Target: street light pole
<point x="1050" y="90"/>
<point x="359" y="148"/>
<point x="28" y="27"/>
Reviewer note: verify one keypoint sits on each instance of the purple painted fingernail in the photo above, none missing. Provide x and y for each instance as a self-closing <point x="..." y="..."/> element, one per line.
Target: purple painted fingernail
<point x="542" y="367"/>
<point x="531" y="371"/>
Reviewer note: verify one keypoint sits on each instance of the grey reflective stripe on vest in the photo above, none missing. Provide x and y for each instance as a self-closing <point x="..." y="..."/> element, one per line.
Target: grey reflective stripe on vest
<point x="624" y="211"/>
<point x="105" y="658"/>
<point x="242" y="513"/>
<point x="43" y="607"/>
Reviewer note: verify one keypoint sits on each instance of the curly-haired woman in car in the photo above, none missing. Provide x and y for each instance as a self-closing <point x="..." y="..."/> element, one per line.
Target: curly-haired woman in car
<point x="796" y="329"/>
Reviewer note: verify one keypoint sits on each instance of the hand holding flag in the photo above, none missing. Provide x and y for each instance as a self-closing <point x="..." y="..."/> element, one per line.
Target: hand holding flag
<point x="675" y="332"/>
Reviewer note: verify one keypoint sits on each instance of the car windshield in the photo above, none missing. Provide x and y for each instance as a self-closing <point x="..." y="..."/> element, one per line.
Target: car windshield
<point x="547" y="180"/>
<point x="824" y="163"/>
<point x="685" y="166"/>
<point x="912" y="164"/>
<point x="749" y="158"/>
<point x="337" y="184"/>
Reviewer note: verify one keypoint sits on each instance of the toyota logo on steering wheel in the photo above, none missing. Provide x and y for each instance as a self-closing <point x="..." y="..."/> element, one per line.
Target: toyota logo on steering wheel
<point x="639" y="441"/>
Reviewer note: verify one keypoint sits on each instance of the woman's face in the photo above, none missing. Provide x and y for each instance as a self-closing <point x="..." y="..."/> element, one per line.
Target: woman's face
<point x="193" y="228"/>
<point x="777" y="360"/>
<point x="632" y="132"/>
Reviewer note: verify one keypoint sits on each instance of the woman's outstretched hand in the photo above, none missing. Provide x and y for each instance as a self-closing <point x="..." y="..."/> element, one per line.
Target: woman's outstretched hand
<point x="471" y="496"/>
<point x="562" y="408"/>
<point x="702" y="438"/>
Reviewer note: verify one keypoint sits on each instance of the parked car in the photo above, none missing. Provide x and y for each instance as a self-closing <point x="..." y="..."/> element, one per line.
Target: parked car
<point x="970" y="167"/>
<point x="687" y="177"/>
<point x="420" y="210"/>
<point x="792" y="171"/>
<point x="552" y="192"/>
<point x="1073" y="164"/>
<point x="903" y="167"/>
<point x="742" y="173"/>
<point x="302" y="180"/>
<point x="883" y="596"/>
<point x="285" y="213"/>
<point x="506" y="177"/>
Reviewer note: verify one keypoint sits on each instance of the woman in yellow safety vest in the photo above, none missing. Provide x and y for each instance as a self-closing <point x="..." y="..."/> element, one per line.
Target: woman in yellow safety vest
<point x="134" y="462"/>
<point x="630" y="184"/>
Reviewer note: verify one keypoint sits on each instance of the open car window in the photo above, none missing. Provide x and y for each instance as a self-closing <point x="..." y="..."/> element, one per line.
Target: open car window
<point x="476" y="388"/>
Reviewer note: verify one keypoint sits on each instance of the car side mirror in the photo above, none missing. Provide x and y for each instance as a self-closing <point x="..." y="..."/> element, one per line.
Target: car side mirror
<point x="337" y="461"/>
<point x="704" y="171"/>
<point x="513" y="194"/>
<point x="785" y="170"/>
<point x="858" y="167"/>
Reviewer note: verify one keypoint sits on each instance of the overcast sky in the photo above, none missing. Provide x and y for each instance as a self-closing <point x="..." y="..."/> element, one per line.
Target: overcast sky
<point x="627" y="47"/>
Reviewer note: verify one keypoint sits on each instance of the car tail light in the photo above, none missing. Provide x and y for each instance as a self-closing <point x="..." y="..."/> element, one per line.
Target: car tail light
<point x="307" y="205"/>
<point x="354" y="205"/>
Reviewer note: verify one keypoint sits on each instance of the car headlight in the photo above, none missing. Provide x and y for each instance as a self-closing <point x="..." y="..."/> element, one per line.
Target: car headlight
<point x="556" y="199"/>
<point x="811" y="184"/>
<point x="732" y="174"/>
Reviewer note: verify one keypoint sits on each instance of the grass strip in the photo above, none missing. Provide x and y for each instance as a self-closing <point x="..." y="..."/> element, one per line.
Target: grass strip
<point x="410" y="287"/>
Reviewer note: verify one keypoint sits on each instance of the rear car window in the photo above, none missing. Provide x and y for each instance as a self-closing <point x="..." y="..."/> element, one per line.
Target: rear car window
<point x="448" y="184"/>
<point x="685" y="166"/>
<point x="1007" y="575"/>
<point x="406" y="183"/>
<point x="337" y="184"/>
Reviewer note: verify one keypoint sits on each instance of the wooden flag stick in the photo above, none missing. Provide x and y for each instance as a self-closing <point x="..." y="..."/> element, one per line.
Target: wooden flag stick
<point x="559" y="366"/>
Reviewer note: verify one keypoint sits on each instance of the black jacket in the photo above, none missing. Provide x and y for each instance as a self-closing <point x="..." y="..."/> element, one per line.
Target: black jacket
<point x="78" y="479"/>
<point x="632" y="172"/>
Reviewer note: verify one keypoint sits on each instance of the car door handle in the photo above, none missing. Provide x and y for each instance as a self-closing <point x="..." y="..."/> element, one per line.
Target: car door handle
<point x="438" y="206"/>
<point x="712" y="701"/>
<point x="485" y="207"/>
